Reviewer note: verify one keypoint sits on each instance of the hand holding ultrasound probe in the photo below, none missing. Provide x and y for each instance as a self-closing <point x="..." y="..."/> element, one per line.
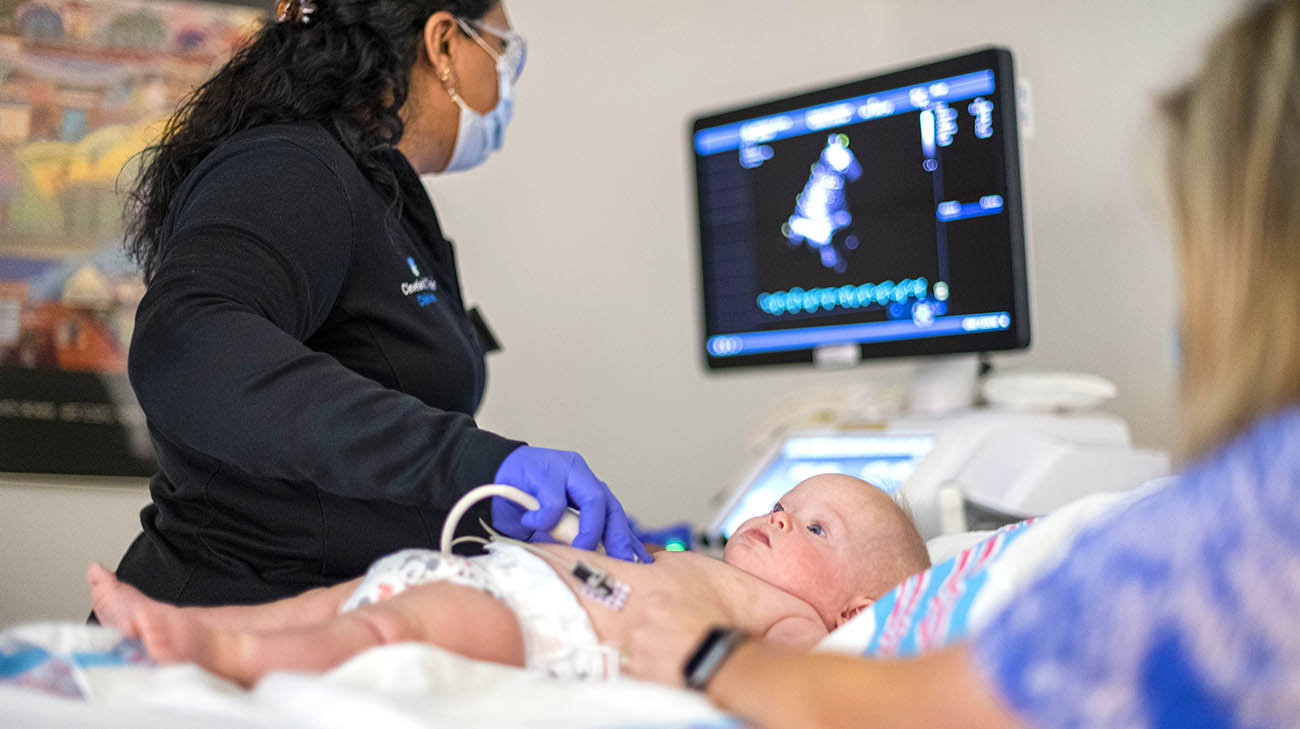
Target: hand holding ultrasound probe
<point x="551" y="481"/>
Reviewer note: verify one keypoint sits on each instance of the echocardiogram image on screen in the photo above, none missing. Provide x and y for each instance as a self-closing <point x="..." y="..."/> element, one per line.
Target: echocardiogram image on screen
<point x="883" y="214"/>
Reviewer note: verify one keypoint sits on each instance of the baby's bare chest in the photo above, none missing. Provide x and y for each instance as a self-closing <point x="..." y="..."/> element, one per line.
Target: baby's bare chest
<point x="698" y="583"/>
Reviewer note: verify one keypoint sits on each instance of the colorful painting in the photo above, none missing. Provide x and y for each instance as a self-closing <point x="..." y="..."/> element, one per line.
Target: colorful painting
<point x="84" y="86"/>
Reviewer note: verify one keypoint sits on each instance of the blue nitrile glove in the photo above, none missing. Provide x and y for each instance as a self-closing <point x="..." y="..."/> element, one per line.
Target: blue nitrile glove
<point x="558" y="479"/>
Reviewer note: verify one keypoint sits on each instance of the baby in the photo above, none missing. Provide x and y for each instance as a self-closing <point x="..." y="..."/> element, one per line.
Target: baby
<point x="827" y="550"/>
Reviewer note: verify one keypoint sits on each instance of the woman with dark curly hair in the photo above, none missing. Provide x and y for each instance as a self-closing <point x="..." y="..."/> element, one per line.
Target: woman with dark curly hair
<point x="303" y="355"/>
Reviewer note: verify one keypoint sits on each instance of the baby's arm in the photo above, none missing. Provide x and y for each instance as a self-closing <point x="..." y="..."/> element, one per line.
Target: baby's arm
<point x="797" y="631"/>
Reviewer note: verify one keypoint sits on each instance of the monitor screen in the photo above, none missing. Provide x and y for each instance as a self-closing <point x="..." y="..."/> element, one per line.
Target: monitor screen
<point x="882" y="459"/>
<point x="881" y="217"/>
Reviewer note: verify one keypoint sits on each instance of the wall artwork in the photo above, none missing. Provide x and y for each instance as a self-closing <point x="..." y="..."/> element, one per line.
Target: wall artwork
<point x="84" y="86"/>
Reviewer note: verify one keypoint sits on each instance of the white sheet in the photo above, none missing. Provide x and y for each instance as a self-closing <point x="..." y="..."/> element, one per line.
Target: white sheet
<point x="407" y="685"/>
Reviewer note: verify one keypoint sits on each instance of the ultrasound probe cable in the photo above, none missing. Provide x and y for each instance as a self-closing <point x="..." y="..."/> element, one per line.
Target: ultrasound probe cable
<point x="564" y="531"/>
<point x="601" y="586"/>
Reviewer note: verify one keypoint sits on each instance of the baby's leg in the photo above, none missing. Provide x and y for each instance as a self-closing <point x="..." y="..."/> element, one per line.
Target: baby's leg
<point x="120" y="605"/>
<point x="461" y="619"/>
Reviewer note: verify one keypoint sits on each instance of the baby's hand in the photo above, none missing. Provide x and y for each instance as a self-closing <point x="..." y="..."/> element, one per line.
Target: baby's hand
<point x="664" y="633"/>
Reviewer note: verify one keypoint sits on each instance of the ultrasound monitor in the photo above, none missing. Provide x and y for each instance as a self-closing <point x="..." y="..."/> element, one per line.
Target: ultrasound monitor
<point x="880" y="217"/>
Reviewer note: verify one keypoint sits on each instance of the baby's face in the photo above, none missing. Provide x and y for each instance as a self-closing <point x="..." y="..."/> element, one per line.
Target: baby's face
<point x="813" y="544"/>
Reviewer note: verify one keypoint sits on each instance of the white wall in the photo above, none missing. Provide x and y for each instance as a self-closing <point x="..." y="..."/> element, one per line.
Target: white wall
<point x="50" y="529"/>
<point x="578" y="240"/>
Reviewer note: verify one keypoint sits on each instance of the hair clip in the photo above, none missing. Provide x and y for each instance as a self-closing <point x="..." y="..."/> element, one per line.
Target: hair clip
<point x="294" y="11"/>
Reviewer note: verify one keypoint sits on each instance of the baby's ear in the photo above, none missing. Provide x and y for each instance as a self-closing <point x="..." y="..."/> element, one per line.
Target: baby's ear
<point x="855" y="606"/>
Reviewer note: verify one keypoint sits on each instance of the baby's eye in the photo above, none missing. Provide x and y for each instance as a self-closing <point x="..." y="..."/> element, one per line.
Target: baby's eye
<point x="778" y="507"/>
<point x="817" y="529"/>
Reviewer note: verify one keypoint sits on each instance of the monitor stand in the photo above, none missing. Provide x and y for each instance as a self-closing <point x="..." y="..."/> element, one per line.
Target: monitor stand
<point x="945" y="384"/>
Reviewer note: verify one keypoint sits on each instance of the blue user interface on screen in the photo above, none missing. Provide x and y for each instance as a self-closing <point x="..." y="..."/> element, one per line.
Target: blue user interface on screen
<point x="876" y="217"/>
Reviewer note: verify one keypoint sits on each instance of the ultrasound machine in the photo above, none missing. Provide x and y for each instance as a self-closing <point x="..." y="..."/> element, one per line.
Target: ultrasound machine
<point x="883" y="218"/>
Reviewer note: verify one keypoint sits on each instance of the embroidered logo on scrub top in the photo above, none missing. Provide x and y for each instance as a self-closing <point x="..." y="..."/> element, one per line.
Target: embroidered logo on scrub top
<point x="422" y="288"/>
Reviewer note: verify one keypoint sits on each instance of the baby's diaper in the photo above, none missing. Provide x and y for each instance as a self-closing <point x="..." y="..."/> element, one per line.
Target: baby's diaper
<point x="558" y="637"/>
<point x="393" y="574"/>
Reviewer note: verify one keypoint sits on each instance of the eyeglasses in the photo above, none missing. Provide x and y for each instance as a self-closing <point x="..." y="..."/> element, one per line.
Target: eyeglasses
<point x="516" y="50"/>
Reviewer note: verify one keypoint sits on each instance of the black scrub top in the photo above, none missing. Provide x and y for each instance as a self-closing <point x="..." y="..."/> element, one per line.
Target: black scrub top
<point x="308" y="372"/>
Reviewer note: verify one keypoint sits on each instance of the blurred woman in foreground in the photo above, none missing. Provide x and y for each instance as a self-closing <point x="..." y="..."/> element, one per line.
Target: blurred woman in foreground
<point x="1179" y="611"/>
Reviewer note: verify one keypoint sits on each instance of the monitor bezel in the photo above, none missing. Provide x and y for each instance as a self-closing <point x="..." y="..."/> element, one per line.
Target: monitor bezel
<point x="1017" y="336"/>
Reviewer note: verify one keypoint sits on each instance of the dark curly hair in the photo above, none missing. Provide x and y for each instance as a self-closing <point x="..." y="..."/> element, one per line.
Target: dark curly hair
<point x="348" y="69"/>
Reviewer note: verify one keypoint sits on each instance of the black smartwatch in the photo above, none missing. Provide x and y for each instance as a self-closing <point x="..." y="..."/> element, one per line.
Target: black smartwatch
<point x="713" y="651"/>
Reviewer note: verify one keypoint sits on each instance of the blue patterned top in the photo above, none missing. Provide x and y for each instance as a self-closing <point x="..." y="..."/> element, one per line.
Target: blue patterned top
<point x="1181" y="611"/>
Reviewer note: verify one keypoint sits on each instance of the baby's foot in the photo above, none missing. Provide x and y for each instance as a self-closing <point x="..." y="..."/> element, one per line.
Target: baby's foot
<point x="176" y="635"/>
<point x="172" y="636"/>
<point x="116" y="603"/>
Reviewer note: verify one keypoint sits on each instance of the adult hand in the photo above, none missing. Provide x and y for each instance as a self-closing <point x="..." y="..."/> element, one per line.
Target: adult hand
<point x="558" y="479"/>
<point x="664" y="632"/>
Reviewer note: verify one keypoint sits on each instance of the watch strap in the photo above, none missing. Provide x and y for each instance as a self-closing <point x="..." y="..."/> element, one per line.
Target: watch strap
<point x="716" y="647"/>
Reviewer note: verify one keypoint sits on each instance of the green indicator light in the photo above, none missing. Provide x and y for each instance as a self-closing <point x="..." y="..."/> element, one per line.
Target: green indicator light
<point x="675" y="545"/>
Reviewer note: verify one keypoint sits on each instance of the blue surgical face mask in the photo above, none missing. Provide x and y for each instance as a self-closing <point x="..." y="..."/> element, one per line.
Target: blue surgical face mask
<point x="479" y="135"/>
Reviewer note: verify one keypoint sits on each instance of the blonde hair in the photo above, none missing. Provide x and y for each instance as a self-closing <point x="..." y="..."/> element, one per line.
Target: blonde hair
<point x="896" y="553"/>
<point x="920" y="555"/>
<point x="1235" y="173"/>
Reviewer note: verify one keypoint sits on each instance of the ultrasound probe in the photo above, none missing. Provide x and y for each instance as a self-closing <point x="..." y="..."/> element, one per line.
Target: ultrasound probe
<point x="564" y="532"/>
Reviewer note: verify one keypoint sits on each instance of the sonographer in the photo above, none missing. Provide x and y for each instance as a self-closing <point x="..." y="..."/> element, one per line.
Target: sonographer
<point x="303" y="355"/>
